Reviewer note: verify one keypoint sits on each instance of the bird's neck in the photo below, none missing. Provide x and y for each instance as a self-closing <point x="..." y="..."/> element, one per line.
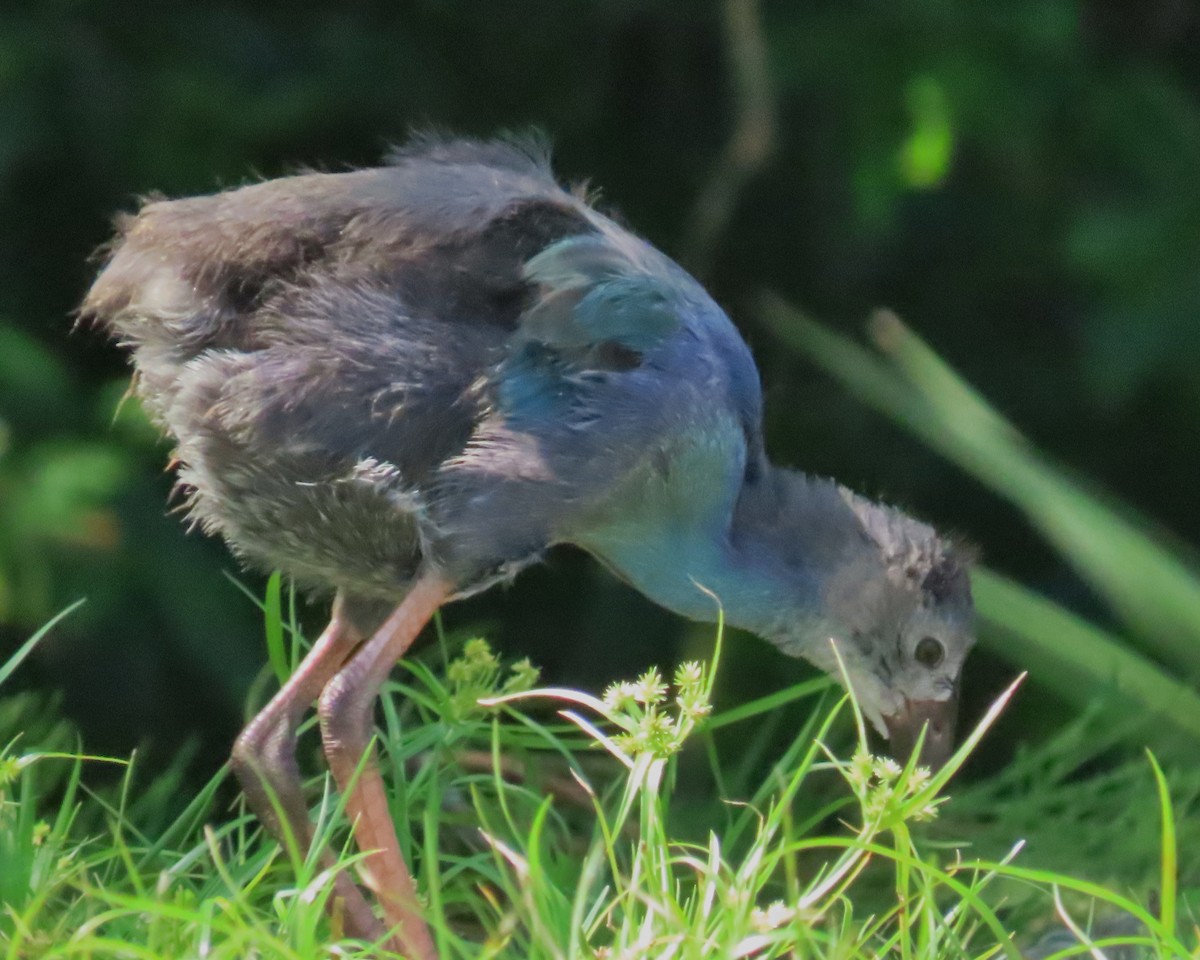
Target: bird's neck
<point x="697" y="576"/>
<point x="764" y="563"/>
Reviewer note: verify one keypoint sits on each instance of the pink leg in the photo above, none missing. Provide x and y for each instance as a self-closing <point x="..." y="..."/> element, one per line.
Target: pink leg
<point x="264" y="760"/>
<point x="347" y="709"/>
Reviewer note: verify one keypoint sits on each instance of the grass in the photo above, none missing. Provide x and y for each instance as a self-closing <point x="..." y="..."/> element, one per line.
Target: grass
<point x="641" y="824"/>
<point x="548" y="823"/>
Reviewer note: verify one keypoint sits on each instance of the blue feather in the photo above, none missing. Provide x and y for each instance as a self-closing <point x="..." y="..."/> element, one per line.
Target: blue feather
<point x="590" y="293"/>
<point x="596" y="314"/>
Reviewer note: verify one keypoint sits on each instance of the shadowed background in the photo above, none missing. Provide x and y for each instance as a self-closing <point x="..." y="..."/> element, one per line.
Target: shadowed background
<point x="1017" y="180"/>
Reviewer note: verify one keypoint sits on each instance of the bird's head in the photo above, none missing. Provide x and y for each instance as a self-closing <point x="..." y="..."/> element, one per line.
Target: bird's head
<point x="902" y="631"/>
<point x="893" y="610"/>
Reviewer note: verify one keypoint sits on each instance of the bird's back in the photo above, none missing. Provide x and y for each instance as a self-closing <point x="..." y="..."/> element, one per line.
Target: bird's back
<point x="443" y="231"/>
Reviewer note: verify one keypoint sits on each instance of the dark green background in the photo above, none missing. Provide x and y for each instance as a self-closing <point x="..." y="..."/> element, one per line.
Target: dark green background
<point x="1019" y="180"/>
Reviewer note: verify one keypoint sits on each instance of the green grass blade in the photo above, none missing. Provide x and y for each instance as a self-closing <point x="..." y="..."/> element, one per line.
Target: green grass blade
<point x="10" y="665"/>
<point x="1170" y="853"/>
<point x="1078" y="660"/>
<point x="767" y="704"/>
<point x="277" y="653"/>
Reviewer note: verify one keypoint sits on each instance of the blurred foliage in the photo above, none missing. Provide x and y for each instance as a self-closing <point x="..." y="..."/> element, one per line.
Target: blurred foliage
<point x="1017" y="179"/>
<point x="55" y="492"/>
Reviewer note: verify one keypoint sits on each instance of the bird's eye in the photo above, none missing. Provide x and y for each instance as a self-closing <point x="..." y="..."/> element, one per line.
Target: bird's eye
<point x="929" y="651"/>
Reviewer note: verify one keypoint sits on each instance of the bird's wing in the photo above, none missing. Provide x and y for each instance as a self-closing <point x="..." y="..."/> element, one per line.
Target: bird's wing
<point x="620" y="343"/>
<point x="622" y="378"/>
<point x="592" y="317"/>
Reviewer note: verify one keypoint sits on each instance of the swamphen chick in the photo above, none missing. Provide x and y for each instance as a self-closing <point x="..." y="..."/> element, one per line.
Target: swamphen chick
<point x="406" y="383"/>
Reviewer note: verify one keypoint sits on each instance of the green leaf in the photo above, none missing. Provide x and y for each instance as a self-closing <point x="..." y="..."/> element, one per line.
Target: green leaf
<point x="35" y="389"/>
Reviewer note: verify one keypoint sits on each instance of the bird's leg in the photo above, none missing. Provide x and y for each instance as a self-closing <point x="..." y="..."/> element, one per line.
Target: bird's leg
<point x="347" y="710"/>
<point x="264" y="761"/>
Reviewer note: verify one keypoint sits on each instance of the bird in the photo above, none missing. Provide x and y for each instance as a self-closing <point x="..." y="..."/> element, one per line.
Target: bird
<point x="401" y="385"/>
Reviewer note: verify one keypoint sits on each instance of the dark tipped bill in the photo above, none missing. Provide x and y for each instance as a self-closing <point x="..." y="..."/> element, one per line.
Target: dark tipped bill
<point x="904" y="727"/>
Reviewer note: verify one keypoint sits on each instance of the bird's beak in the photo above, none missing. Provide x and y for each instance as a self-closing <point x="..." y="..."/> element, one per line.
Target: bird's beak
<point x="905" y="726"/>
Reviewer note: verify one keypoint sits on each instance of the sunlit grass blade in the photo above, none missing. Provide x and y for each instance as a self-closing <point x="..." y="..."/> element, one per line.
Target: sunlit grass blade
<point x="970" y="742"/>
<point x="23" y="651"/>
<point x="273" y="623"/>
<point x="1169" y="877"/>
<point x="767" y="704"/>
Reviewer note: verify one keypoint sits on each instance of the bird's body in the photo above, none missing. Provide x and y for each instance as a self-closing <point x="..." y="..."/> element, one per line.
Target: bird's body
<point x="441" y="367"/>
<point x="349" y="365"/>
